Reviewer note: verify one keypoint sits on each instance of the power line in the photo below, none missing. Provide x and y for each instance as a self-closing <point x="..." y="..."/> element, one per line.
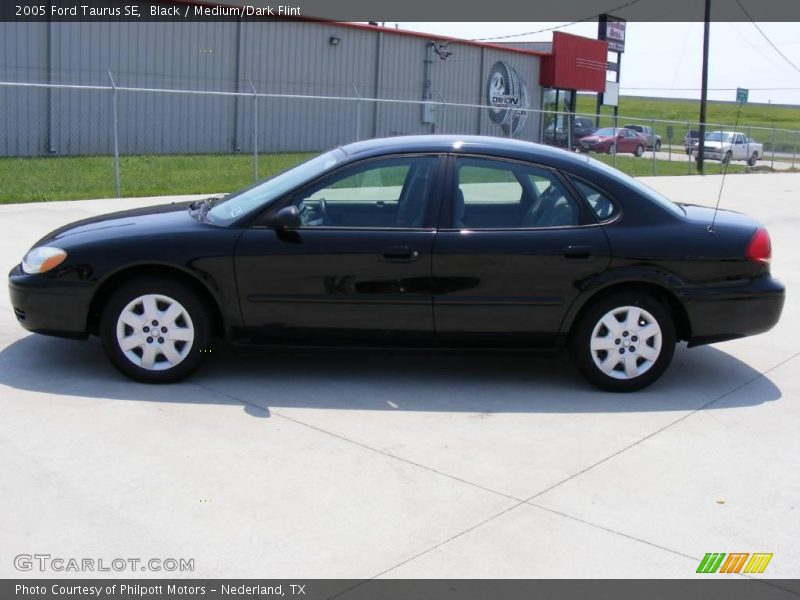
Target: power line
<point x="674" y="89"/>
<point x="764" y="35"/>
<point x="589" y="18"/>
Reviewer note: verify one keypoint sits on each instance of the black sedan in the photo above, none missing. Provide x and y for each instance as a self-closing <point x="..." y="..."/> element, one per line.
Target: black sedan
<point x="439" y="240"/>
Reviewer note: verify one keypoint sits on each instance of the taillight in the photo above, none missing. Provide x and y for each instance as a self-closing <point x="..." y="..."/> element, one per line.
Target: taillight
<point x="760" y="248"/>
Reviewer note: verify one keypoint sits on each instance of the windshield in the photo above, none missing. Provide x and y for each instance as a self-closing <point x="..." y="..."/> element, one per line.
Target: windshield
<point x="259" y="196"/>
<point x="637" y="185"/>
<point x="605" y="132"/>
<point x="719" y="136"/>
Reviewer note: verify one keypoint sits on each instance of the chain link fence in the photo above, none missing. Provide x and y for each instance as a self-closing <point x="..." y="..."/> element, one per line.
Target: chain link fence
<point x="107" y="140"/>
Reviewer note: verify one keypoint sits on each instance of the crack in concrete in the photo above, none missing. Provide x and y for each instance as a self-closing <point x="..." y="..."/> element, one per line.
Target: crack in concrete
<point x="518" y="502"/>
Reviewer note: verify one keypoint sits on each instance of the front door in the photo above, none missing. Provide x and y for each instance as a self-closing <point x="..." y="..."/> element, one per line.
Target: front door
<point x="360" y="263"/>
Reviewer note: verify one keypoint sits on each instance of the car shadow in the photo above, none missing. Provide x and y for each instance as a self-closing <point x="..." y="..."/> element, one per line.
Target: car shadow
<point x="383" y="379"/>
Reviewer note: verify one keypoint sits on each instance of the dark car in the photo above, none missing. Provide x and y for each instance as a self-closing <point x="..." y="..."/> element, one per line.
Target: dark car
<point x="603" y="140"/>
<point x="433" y="240"/>
<point x="557" y="135"/>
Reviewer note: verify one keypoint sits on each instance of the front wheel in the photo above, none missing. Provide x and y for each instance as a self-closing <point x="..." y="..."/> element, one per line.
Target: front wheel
<point x="639" y="151"/>
<point x="155" y="330"/>
<point x="658" y="146"/>
<point x="753" y="159"/>
<point x="727" y="158"/>
<point x="624" y="342"/>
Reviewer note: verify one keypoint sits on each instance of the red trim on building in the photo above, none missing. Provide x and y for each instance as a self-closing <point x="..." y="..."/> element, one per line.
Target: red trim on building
<point x="577" y="63"/>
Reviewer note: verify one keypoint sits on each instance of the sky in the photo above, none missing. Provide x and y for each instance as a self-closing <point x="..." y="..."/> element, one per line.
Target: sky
<point x="665" y="59"/>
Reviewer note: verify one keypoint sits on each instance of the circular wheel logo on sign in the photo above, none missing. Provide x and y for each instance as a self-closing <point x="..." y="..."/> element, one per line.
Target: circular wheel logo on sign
<point x="507" y="96"/>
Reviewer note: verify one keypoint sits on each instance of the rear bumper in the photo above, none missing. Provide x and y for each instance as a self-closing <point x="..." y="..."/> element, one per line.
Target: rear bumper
<point x="727" y="313"/>
<point x="49" y="306"/>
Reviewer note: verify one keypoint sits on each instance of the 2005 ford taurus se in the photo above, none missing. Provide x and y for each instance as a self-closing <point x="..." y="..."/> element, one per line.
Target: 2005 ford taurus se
<point x="432" y="239"/>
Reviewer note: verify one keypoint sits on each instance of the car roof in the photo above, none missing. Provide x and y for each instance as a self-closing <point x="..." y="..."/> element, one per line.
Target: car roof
<point x="464" y="144"/>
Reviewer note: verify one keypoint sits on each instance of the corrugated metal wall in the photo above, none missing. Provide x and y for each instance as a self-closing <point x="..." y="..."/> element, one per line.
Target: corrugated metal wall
<point x="286" y="58"/>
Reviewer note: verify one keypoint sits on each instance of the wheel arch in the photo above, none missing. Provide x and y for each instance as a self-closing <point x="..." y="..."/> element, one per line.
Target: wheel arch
<point x="683" y="329"/>
<point x="172" y="272"/>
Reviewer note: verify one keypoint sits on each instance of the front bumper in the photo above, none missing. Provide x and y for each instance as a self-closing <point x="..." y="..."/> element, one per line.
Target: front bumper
<point x="728" y="313"/>
<point x="50" y="306"/>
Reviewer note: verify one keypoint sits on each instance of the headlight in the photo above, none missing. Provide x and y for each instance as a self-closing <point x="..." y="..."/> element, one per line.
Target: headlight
<point x="42" y="259"/>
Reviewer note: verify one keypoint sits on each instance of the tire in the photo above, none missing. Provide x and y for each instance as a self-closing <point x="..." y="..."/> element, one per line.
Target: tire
<point x="504" y="81"/>
<point x="595" y="346"/>
<point x="639" y="151"/>
<point x="658" y="146"/>
<point x="753" y="159"/>
<point x="173" y="312"/>
<point x="727" y="158"/>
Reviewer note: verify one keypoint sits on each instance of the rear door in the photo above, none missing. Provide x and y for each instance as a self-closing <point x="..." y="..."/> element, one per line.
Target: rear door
<point x="514" y="248"/>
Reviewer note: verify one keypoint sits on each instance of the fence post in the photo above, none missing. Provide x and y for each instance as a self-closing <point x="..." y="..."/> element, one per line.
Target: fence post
<point x="653" y="132"/>
<point x="255" y="131"/>
<point x="115" y="117"/>
<point x="358" y="111"/>
<point x="794" y="151"/>
<point x="614" y="141"/>
<point x="772" y="164"/>
<point x="570" y="121"/>
<point x="689" y="142"/>
<point x="444" y="113"/>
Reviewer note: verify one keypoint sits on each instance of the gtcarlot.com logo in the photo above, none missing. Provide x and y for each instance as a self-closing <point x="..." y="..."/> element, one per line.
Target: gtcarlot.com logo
<point x="58" y="564"/>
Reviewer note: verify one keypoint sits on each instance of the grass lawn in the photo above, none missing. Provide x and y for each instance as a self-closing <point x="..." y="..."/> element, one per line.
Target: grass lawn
<point x="71" y="178"/>
<point x="643" y="167"/>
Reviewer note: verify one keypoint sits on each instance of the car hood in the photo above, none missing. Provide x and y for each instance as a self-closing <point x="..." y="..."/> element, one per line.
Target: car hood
<point x="159" y="218"/>
<point x="595" y="138"/>
<point x="708" y="144"/>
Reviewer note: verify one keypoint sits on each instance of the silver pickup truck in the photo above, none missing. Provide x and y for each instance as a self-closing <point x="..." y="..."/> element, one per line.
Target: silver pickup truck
<point x="653" y="139"/>
<point x="726" y="146"/>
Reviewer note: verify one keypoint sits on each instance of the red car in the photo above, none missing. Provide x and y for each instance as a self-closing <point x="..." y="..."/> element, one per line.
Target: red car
<point x="602" y="140"/>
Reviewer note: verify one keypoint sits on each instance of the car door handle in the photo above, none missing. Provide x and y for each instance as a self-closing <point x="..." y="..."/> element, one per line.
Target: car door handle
<point x="578" y="252"/>
<point x="400" y="254"/>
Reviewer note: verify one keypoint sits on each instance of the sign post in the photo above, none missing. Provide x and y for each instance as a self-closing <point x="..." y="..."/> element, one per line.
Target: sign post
<point x="612" y="30"/>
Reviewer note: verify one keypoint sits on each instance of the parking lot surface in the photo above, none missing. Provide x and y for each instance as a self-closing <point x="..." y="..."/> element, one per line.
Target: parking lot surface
<point x="406" y="463"/>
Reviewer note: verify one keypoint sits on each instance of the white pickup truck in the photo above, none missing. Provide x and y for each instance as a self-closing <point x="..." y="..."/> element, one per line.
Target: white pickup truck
<point x="726" y="146"/>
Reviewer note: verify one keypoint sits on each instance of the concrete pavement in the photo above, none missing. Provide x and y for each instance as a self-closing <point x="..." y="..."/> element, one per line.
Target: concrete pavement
<point x="360" y="464"/>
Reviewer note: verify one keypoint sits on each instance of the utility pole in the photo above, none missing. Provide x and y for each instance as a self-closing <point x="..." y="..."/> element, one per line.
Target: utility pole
<point x="704" y="91"/>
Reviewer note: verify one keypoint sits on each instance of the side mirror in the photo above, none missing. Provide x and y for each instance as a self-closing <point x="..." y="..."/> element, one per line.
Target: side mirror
<point x="288" y="218"/>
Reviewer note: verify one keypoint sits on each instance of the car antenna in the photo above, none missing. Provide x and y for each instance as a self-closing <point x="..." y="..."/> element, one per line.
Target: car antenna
<point x="725" y="170"/>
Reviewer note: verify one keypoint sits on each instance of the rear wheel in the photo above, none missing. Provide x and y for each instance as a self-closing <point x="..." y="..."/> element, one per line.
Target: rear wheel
<point x="155" y="330"/>
<point x="639" y="151"/>
<point x="624" y="342"/>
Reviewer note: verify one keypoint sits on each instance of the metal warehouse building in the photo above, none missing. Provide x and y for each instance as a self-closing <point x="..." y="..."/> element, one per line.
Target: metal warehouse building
<point x="297" y="58"/>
